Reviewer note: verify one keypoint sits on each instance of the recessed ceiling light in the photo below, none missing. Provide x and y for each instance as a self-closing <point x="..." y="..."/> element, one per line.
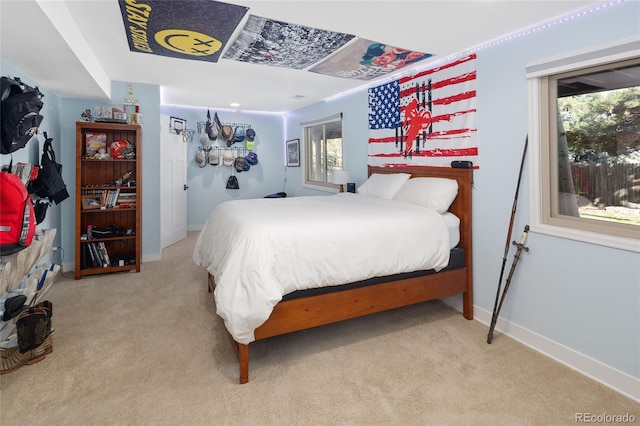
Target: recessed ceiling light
<point x="234" y="104"/>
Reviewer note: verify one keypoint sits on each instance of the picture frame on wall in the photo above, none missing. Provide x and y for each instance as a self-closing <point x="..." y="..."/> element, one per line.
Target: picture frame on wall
<point x="293" y="153"/>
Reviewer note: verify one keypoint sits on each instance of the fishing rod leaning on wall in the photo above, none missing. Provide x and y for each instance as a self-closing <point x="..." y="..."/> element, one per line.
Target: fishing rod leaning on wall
<point x="498" y="302"/>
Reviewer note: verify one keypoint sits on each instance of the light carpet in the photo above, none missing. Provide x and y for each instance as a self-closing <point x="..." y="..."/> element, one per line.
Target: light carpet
<point x="148" y="349"/>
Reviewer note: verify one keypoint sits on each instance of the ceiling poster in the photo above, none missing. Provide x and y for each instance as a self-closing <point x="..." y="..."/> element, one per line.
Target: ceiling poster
<point x="195" y="29"/>
<point x="280" y="44"/>
<point x="365" y="60"/>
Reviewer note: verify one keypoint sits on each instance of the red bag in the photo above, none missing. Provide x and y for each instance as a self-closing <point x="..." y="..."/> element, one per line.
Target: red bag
<point x="17" y="217"/>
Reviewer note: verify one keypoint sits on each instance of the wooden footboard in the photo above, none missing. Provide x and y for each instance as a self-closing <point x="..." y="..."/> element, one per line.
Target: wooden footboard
<point x="312" y="311"/>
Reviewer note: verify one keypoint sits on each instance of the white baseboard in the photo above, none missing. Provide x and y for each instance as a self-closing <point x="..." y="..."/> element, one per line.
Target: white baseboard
<point x="68" y="266"/>
<point x="612" y="378"/>
<point x="155" y="257"/>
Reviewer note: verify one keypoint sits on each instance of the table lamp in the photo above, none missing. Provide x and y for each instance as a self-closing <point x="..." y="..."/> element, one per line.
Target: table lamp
<point x="341" y="177"/>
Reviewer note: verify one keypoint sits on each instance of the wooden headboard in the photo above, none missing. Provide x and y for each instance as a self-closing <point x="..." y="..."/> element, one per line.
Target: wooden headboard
<point x="461" y="206"/>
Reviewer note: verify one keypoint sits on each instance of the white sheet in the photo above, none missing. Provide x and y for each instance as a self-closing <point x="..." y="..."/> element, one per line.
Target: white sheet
<point x="453" y="225"/>
<point x="261" y="249"/>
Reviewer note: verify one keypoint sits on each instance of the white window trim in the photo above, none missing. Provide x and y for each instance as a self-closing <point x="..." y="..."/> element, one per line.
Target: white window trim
<point x="612" y="52"/>
<point x="328" y="187"/>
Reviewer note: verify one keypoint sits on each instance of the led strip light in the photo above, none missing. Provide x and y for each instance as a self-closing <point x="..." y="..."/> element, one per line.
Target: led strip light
<point x="495" y="42"/>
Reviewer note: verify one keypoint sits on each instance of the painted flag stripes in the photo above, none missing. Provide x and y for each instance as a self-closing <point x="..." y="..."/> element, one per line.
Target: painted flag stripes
<point x="441" y="104"/>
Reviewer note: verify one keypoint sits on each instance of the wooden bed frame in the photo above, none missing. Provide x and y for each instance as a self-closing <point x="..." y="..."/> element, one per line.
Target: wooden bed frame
<point x="312" y="311"/>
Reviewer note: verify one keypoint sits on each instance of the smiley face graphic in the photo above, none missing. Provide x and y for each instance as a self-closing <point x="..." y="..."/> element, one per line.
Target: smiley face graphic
<point x="188" y="42"/>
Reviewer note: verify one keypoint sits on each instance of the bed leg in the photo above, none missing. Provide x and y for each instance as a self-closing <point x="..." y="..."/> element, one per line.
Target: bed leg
<point x="243" y="357"/>
<point x="467" y="305"/>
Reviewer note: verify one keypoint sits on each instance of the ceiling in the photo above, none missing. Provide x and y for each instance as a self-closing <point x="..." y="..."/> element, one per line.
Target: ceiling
<point x="75" y="48"/>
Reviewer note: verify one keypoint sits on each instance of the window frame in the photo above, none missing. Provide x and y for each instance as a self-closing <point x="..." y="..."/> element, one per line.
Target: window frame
<point x="305" y="152"/>
<point x="543" y="183"/>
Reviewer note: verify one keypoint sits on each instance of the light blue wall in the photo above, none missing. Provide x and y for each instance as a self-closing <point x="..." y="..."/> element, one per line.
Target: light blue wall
<point x="207" y="185"/>
<point x="583" y="296"/>
<point x="354" y="134"/>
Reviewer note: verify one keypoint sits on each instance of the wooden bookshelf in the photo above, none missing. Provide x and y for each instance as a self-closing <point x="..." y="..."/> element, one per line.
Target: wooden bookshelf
<point x="105" y="203"/>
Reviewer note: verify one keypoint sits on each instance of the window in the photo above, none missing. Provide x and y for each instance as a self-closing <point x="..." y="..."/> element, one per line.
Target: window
<point x="585" y="129"/>
<point x="322" y="151"/>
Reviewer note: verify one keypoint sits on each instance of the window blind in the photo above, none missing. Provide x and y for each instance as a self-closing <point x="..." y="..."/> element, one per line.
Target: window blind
<point x="329" y="119"/>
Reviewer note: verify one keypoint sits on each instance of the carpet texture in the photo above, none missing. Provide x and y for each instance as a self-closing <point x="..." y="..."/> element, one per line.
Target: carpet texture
<point x="148" y="349"/>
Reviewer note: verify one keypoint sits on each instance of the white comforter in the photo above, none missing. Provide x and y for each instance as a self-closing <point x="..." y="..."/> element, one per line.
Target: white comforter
<point x="258" y="250"/>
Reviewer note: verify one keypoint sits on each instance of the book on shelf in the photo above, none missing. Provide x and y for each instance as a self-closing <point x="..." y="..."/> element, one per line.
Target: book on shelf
<point x="105" y="254"/>
<point x="84" y="256"/>
<point x="127" y="195"/>
<point x="96" y="247"/>
<point x="92" y="254"/>
<point x="99" y="254"/>
<point x="109" y="198"/>
<point x="126" y="200"/>
<point x="114" y="197"/>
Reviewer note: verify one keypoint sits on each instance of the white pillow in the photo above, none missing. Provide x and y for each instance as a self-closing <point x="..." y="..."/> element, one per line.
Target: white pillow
<point x="383" y="185"/>
<point x="437" y="193"/>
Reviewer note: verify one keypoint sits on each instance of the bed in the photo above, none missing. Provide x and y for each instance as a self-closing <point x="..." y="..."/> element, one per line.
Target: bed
<point x="262" y="291"/>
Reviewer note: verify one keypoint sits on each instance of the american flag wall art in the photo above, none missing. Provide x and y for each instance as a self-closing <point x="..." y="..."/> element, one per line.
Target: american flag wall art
<point x="426" y="119"/>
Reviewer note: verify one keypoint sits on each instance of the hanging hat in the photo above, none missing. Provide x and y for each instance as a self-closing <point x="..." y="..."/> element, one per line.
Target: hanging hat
<point x="250" y="134"/>
<point x="247" y="166"/>
<point x="201" y="159"/>
<point x="213" y="157"/>
<point x="250" y="145"/>
<point x="227" y="157"/>
<point x="226" y="133"/>
<point x="238" y="134"/>
<point x="239" y="164"/>
<point x="210" y="129"/>
<point x="252" y="158"/>
<point x="216" y="122"/>
<point x="213" y="133"/>
<point x="205" y="141"/>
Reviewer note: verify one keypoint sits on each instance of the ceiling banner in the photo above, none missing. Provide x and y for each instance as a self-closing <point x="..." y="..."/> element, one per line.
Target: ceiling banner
<point x="195" y="29"/>
<point x="365" y="60"/>
<point x="280" y="44"/>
